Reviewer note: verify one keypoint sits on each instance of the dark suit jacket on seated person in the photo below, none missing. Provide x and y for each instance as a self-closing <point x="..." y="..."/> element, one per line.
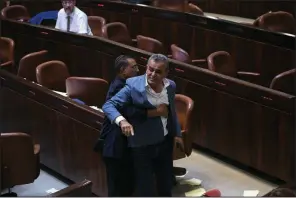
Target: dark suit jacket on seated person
<point x="146" y="131"/>
<point x="115" y="143"/>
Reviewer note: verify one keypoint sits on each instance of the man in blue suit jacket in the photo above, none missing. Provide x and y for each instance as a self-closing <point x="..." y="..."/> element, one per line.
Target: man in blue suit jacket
<point x="150" y="139"/>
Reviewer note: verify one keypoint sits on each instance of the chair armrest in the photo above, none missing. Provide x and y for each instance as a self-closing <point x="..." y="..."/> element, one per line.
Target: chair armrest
<point x="134" y="42"/>
<point x="7" y="64"/>
<point x="36" y="149"/>
<point x="249" y="76"/>
<point x="200" y="63"/>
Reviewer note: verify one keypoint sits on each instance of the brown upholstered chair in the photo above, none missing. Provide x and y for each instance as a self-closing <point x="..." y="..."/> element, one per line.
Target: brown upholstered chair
<point x="184" y="106"/>
<point x="194" y="9"/>
<point x="53" y="75"/>
<point x="149" y="44"/>
<point x="175" y="5"/>
<point x="181" y="55"/>
<point x="277" y="21"/>
<point x="16" y="12"/>
<point x="222" y="62"/>
<point x="81" y="189"/>
<point x="285" y="82"/>
<point x="19" y="160"/>
<point x="6" y="52"/>
<point x="118" y="32"/>
<point x="96" y="24"/>
<point x="29" y="63"/>
<point x="92" y="91"/>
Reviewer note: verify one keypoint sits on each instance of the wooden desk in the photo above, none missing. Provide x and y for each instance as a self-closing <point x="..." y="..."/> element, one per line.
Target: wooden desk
<point x="65" y="130"/>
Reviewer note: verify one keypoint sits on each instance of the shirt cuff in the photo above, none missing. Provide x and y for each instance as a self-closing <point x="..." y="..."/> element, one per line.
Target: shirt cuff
<point x="119" y="119"/>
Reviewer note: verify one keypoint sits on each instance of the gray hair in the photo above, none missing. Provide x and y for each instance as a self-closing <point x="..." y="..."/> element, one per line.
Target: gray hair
<point x="160" y="58"/>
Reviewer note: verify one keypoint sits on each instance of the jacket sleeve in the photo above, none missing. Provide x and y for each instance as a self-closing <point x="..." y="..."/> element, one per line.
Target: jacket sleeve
<point x="120" y="100"/>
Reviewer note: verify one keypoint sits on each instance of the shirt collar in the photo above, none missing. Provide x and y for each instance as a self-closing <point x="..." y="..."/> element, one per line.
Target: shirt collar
<point x="165" y="82"/>
<point x="72" y="13"/>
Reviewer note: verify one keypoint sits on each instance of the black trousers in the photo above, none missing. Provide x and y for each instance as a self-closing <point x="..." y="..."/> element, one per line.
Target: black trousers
<point x="120" y="177"/>
<point x="154" y="163"/>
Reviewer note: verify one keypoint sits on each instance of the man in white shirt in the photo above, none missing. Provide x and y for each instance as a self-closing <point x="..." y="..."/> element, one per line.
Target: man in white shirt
<point x="72" y="19"/>
<point x="150" y="139"/>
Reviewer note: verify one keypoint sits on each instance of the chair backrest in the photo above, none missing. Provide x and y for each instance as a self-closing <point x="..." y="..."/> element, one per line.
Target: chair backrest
<point x="16" y="12"/>
<point x="222" y="62"/>
<point x="53" y="75"/>
<point x="29" y="63"/>
<point x="184" y="106"/>
<point x="82" y="189"/>
<point x="285" y="82"/>
<point x="18" y="164"/>
<point x="179" y="54"/>
<point x="194" y="9"/>
<point x="149" y="44"/>
<point x="96" y="24"/>
<point x="6" y="49"/>
<point x="117" y="31"/>
<point x="175" y="5"/>
<point x="92" y="91"/>
<point x="277" y="21"/>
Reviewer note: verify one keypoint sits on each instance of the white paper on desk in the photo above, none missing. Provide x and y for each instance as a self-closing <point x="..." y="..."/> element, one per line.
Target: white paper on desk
<point x="251" y="193"/>
<point x="61" y="93"/>
<point x="192" y="182"/>
<point x="96" y="108"/>
<point x="52" y="190"/>
<point x="195" y="193"/>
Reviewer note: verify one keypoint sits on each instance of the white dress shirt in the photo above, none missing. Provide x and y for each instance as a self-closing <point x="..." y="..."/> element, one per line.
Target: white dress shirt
<point x="78" y="21"/>
<point x="155" y="99"/>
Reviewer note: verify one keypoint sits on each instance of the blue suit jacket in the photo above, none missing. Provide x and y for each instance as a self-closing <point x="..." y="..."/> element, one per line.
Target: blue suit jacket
<point x="147" y="131"/>
<point x="114" y="142"/>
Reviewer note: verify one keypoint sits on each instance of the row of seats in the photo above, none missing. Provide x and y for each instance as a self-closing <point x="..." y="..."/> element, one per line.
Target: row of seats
<point x="220" y="62"/>
<point x="118" y="32"/>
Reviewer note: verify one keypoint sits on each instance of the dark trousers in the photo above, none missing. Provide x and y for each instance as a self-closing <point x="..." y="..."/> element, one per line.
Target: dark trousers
<point x="120" y="177"/>
<point x="154" y="163"/>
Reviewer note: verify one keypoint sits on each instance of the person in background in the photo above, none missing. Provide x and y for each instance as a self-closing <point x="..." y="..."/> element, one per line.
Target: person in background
<point x="72" y="19"/>
<point x="150" y="139"/>
<point x="112" y="143"/>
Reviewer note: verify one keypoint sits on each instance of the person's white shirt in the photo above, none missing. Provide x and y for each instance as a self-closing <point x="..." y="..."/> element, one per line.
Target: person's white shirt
<point x="78" y="21"/>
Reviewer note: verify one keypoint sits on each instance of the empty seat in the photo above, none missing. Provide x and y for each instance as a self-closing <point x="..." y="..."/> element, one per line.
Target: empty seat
<point x="175" y="5"/>
<point x="20" y="159"/>
<point x="194" y="9"/>
<point x="118" y="32"/>
<point x="149" y="44"/>
<point x="222" y="62"/>
<point x="81" y="189"/>
<point x="29" y="63"/>
<point x="277" y="21"/>
<point x="96" y="24"/>
<point x="285" y="82"/>
<point x="16" y="12"/>
<point x="53" y="75"/>
<point x="6" y="52"/>
<point x="92" y="91"/>
<point x="184" y="106"/>
<point x="181" y="55"/>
